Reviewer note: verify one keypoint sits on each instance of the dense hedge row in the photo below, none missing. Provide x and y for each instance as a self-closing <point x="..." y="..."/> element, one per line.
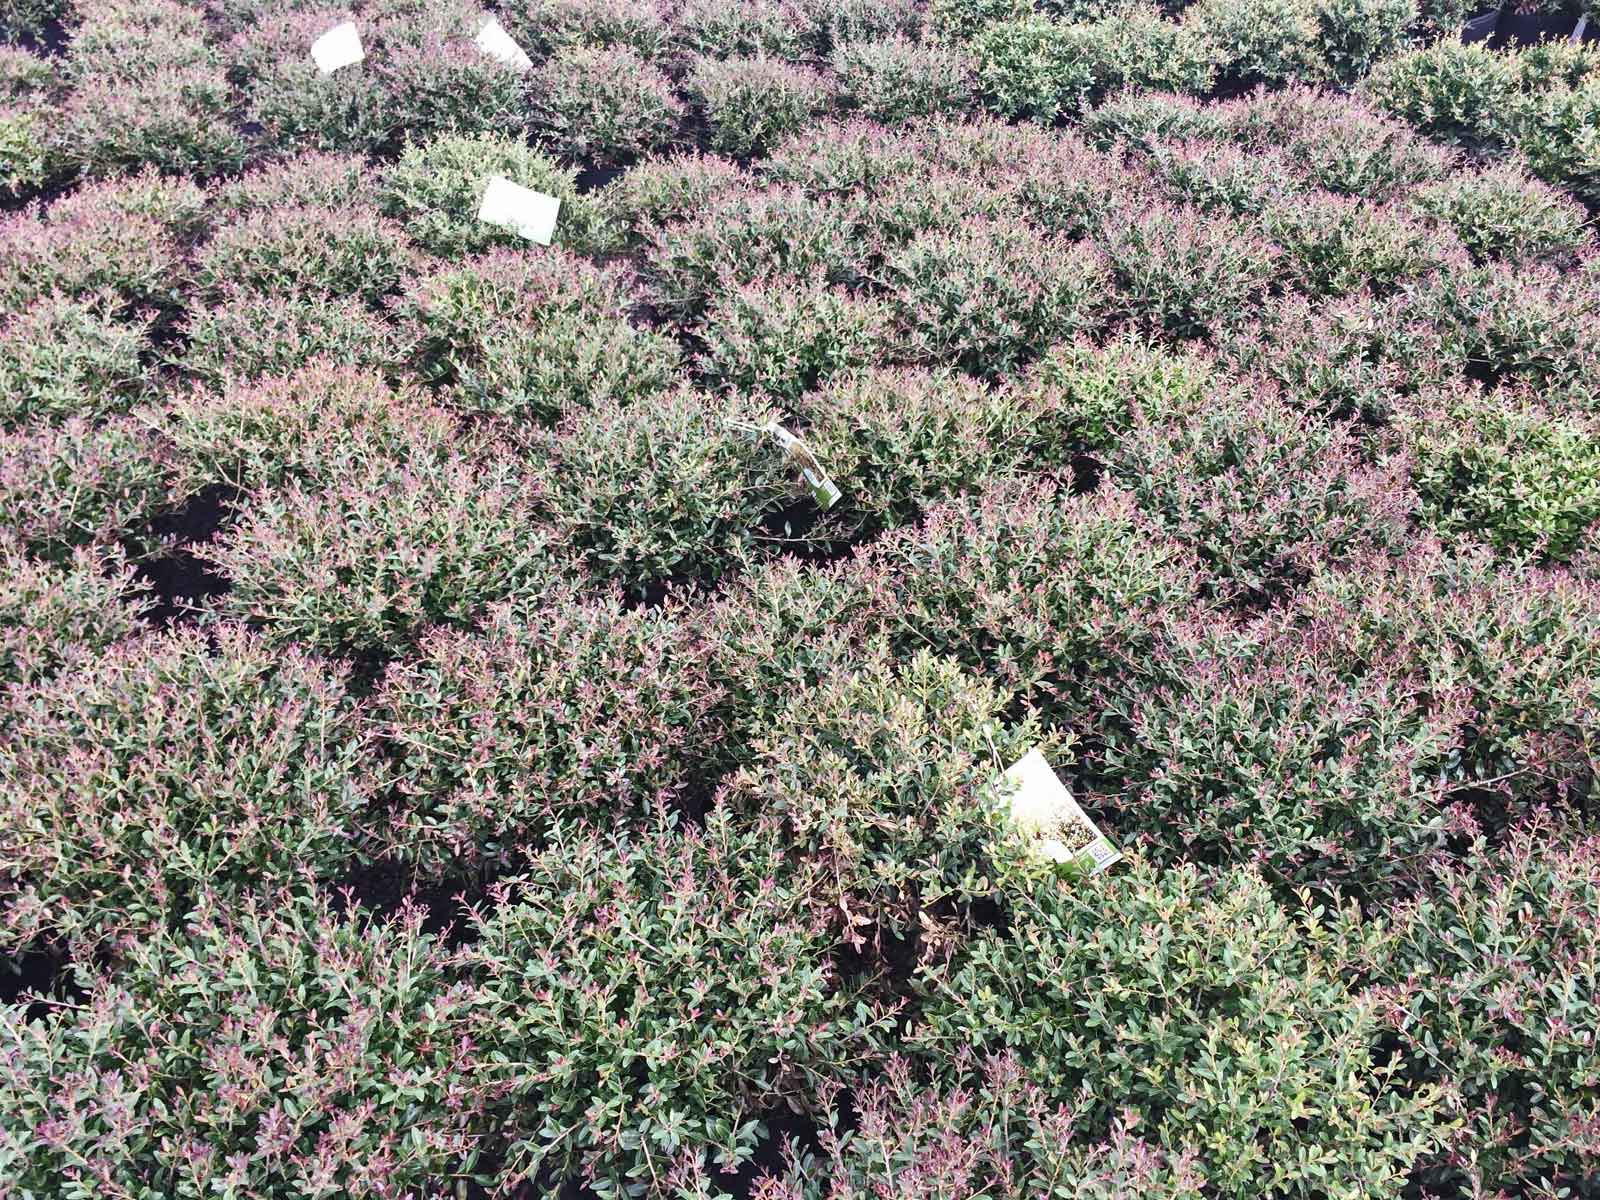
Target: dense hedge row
<point x="445" y="745"/>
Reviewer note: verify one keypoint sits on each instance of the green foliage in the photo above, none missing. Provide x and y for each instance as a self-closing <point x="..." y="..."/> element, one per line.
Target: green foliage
<point x="51" y="615"/>
<point x="1353" y="36"/>
<point x="1268" y="41"/>
<point x="601" y="105"/>
<point x="1499" y="212"/>
<point x="1461" y="94"/>
<point x="67" y="358"/>
<point x="750" y="103"/>
<point x="899" y="79"/>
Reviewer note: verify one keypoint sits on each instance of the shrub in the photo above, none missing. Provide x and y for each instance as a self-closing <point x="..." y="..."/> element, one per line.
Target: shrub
<point x="1265" y="745"/>
<point x="513" y="334"/>
<point x="994" y="294"/>
<point x="385" y="548"/>
<point x="960" y="20"/>
<point x="722" y="1007"/>
<point x="1135" y="46"/>
<point x="177" y="206"/>
<point x="67" y="357"/>
<point x="1492" y="976"/>
<point x="1065" y="187"/>
<point x="1503" y="467"/>
<point x="27" y="161"/>
<point x="88" y="250"/>
<point x="434" y="190"/>
<point x="1178" y="271"/>
<point x="1334" y="245"/>
<point x="1341" y="146"/>
<point x="784" y="337"/>
<point x="750" y="103"/>
<point x="1264" y="494"/>
<point x="573" y="708"/>
<point x="297" y="107"/>
<point x="542" y="27"/>
<point x="741" y="237"/>
<point x="1461" y="94"/>
<point x="1218" y="175"/>
<point x="1353" y="36"/>
<point x="1499" y="212"/>
<point x="886" y="773"/>
<point x="1002" y="1138"/>
<point x="311" y="179"/>
<point x="1260" y="1058"/>
<point x="668" y="490"/>
<point x="50" y="615"/>
<point x="77" y="482"/>
<point x="242" y="335"/>
<point x="1033" y="69"/>
<point x="307" y="251"/>
<point x="1135" y="118"/>
<point x="1353" y="356"/>
<point x="660" y="190"/>
<point x="1555" y="133"/>
<point x="175" y="118"/>
<point x="870" y="20"/>
<point x="598" y="104"/>
<point x="1269" y="41"/>
<point x="275" y="1047"/>
<point x="898" y="79"/>
<point x="1037" y="590"/>
<point x="170" y="767"/>
<point x="724" y="29"/>
<point x="29" y="17"/>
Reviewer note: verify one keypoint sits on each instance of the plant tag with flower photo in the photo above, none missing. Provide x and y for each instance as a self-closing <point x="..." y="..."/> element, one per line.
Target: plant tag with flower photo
<point x="823" y="490"/>
<point x="499" y="45"/>
<point x="339" y="47"/>
<point x="1043" y="808"/>
<point x="519" y="209"/>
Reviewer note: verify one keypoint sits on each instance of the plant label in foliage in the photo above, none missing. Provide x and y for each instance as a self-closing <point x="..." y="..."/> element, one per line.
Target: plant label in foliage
<point x="339" y="47"/>
<point x="1043" y="809"/>
<point x="519" y="209"/>
<point x="499" y="45"/>
<point x="823" y="490"/>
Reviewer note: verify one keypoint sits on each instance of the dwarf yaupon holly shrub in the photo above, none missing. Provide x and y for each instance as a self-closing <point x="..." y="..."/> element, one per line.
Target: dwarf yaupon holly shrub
<point x="749" y="103"/>
<point x="1213" y="174"/>
<point x="274" y="1049"/>
<point x="673" y="489"/>
<point x="995" y="294"/>
<point x="1037" y="590"/>
<point x="727" y="29"/>
<point x="308" y="250"/>
<point x="1259" y="41"/>
<point x="172" y="765"/>
<point x="312" y="178"/>
<point x="517" y="333"/>
<point x="886" y="774"/>
<point x="63" y="357"/>
<point x="1462" y="94"/>
<point x="177" y="204"/>
<point x="1263" y="493"/>
<point x="784" y="336"/>
<point x="599" y="104"/>
<point x="363" y="559"/>
<point x="1230" y="1027"/>
<point x="1349" y="356"/>
<point x="79" y="482"/>
<point x="1333" y="244"/>
<point x="243" y="334"/>
<point x="297" y="106"/>
<point x="898" y="79"/>
<point x="52" y="613"/>
<point x="173" y="118"/>
<point x="896" y="441"/>
<point x="1002" y="1137"/>
<point x="743" y="236"/>
<point x="436" y="188"/>
<point x="1503" y="467"/>
<point x="1133" y="118"/>
<point x="1494" y="978"/>
<point x="1177" y="269"/>
<point x="1086" y="396"/>
<point x="1353" y="36"/>
<point x="1555" y="133"/>
<point x="1498" y="211"/>
<point x="542" y="27"/>
<point x="89" y="249"/>
<point x="643" y="999"/>
<point x="666" y="188"/>
<point x="1268" y="745"/>
<point x="317" y="425"/>
<point x="568" y="707"/>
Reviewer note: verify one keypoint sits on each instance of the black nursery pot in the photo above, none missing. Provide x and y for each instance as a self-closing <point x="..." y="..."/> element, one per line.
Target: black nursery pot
<point x="1531" y="28"/>
<point x="1481" y="27"/>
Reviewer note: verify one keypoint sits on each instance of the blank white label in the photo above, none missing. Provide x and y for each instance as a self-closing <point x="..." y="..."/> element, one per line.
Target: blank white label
<point x="339" y="47"/>
<point x="519" y="209"/>
<point x="494" y="41"/>
<point x="1042" y="807"/>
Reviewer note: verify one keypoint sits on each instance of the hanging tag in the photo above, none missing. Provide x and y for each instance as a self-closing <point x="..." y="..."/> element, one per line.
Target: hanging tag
<point x="519" y="209"/>
<point x="499" y="45"/>
<point x="339" y="47"/>
<point x="1043" y="808"/>
<point x="823" y="490"/>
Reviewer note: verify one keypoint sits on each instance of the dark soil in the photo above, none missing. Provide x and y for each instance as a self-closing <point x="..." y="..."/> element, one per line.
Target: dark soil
<point x="175" y="579"/>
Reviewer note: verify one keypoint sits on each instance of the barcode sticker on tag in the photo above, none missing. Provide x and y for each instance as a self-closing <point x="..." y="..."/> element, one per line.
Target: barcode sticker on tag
<point x="519" y="209"/>
<point x="1043" y="808"/>
<point x="339" y="47"/>
<point x="494" y="41"/>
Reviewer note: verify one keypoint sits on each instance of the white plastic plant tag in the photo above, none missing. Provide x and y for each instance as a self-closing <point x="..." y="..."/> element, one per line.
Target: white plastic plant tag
<point x="339" y="47"/>
<point x="519" y="209"/>
<point x="499" y="45"/>
<point x="1042" y="808"/>
<point x="823" y="490"/>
